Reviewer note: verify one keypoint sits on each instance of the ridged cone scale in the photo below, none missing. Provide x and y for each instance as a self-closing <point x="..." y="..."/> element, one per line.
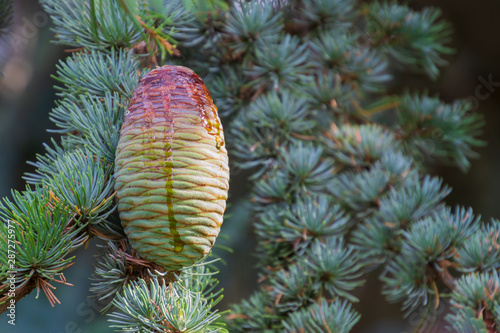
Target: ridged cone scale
<point x="171" y="169"/>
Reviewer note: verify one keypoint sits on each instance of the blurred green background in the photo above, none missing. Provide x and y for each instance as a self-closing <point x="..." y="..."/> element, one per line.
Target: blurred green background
<point x="28" y="59"/>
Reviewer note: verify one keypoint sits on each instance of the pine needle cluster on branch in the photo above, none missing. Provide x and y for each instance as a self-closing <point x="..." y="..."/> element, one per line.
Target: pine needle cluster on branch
<point x="70" y="196"/>
<point x="338" y="166"/>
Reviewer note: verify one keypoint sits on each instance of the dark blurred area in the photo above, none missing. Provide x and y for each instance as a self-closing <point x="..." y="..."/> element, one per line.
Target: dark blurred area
<point x="28" y="59"/>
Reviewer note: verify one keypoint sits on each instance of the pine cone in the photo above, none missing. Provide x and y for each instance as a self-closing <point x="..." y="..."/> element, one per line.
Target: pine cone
<point x="171" y="169"/>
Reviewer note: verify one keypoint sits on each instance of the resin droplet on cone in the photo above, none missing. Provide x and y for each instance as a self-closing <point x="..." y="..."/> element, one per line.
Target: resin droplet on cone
<point x="171" y="169"/>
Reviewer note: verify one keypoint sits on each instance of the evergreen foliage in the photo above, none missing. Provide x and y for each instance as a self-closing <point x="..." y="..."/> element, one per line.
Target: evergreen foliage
<point x="70" y="196"/>
<point x="338" y="167"/>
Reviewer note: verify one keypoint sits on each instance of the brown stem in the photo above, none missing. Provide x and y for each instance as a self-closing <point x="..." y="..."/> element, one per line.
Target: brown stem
<point x="443" y="274"/>
<point x="169" y="47"/>
<point x="489" y="322"/>
<point x="19" y="293"/>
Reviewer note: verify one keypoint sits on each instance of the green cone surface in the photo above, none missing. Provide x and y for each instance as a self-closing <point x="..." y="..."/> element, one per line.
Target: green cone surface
<point x="171" y="169"/>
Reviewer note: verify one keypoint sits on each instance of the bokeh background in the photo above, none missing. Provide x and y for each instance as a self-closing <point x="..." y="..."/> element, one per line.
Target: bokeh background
<point x="27" y="94"/>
